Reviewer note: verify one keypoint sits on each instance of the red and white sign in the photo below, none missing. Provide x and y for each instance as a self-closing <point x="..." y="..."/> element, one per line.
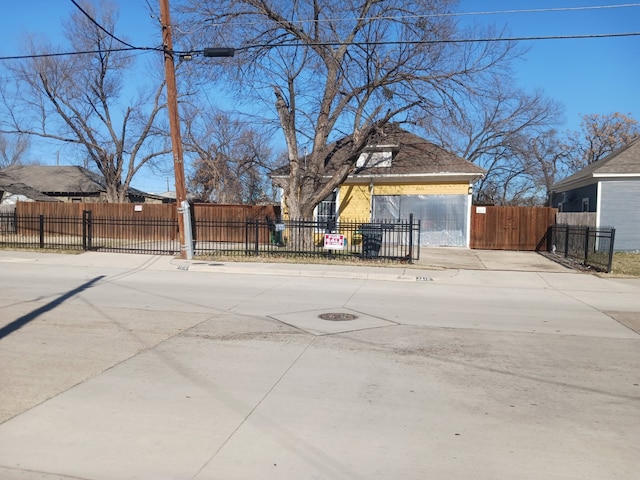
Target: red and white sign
<point x="333" y="241"/>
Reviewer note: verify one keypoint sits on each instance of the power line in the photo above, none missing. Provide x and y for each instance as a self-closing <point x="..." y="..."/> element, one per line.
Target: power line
<point x="451" y="14"/>
<point x="100" y="26"/>
<point x="536" y="10"/>
<point x="453" y="40"/>
<point x="337" y="44"/>
<point x="86" y="52"/>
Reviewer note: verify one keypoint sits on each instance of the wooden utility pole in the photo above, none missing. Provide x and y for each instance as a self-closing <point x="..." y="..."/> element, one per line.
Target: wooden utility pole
<point x="174" y="119"/>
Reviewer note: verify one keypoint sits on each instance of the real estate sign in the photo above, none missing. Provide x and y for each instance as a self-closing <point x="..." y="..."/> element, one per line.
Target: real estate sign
<point x="333" y="241"/>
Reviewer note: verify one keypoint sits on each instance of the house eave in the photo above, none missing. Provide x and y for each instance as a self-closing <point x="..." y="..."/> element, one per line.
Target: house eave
<point x="616" y="175"/>
<point x="413" y="177"/>
<point x="591" y="179"/>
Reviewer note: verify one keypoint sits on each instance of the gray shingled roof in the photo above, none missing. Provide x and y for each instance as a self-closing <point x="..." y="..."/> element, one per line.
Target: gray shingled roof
<point x="413" y="155"/>
<point x="623" y="161"/>
<point x="10" y="186"/>
<point x="57" y="179"/>
<point x="62" y="180"/>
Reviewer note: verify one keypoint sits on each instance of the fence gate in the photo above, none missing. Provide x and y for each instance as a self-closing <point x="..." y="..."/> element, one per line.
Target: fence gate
<point x="510" y="228"/>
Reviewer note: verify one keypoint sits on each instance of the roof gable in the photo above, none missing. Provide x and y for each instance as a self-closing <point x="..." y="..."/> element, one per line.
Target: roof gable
<point x="413" y="155"/>
<point x="623" y="162"/>
<point x="393" y="151"/>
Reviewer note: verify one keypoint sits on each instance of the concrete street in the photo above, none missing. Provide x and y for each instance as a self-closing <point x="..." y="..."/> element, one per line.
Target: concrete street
<point x="470" y="365"/>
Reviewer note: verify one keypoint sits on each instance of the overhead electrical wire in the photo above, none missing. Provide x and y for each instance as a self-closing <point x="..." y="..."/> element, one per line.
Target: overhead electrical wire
<point x="66" y="54"/>
<point x="453" y="40"/>
<point x="92" y="20"/>
<point x="453" y="14"/>
<point x="130" y="47"/>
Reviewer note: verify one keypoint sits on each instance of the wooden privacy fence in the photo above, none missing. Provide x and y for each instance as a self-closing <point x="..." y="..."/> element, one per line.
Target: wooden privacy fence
<point x="220" y="223"/>
<point x="510" y="228"/>
<point x="115" y="210"/>
<point x="207" y="211"/>
<point x="152" y="221"/>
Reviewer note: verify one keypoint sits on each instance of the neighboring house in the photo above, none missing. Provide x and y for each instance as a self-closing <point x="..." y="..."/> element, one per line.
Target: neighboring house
<point x="61" y="183"/>
<point x="398" y="174"/>
<point x="12" y="192"/>
<point x="610" y="188"/>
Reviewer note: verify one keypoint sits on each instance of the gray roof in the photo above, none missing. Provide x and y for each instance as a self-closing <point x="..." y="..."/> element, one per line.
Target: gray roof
<point x="415" y="155"/>
<point x="61" y="180"/>
<point x="10" y="186"/>
<point x="57" y="179"/>
<point x="624" y="161"/>
<point x="412" y="155"/>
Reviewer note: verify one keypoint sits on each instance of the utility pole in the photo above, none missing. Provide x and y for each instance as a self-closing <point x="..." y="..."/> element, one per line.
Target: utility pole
<point x="174" y="119"/>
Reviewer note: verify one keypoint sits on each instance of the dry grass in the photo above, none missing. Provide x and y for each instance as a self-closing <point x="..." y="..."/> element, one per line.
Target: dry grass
<point x="626" y="264"/>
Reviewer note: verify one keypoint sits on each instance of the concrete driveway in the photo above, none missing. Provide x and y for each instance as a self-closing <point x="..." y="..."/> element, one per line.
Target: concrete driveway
<point x="136" y="367"/>
<point x="501" y="260"/>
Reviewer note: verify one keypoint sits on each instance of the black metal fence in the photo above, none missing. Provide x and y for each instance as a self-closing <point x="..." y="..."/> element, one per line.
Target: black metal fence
<point x="590" y="246"/>
<point x="393" y="240"/>
<point x="38" y="231"/>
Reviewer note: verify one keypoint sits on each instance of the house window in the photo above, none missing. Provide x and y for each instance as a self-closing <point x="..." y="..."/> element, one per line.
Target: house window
<point x="560" y="207"/>
<point x="585" y="204"/>
<point x="76" y="200"/>
<point x="326" y="212"/>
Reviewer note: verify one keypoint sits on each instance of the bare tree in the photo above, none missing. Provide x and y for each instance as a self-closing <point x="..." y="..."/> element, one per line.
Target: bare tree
<point x="601" y="135"/>
<point x="334" y="70"/>
<point x="13" y="149"/>
<point x="546" y="159"/>
<point x="231" y="159"/>
<point x="79" y="100"/>
<point x="493" y="128"/>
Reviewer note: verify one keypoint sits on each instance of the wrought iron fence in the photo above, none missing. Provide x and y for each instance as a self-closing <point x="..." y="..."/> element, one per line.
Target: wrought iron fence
<point x="154" y="236"/>
<point x="590" y="246"/>
<point x="39" y="231"/>
<point x="392" y="240"/>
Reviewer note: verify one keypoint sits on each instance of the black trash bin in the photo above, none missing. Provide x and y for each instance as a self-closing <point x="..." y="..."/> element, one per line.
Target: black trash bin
<point x="371" y="239"/>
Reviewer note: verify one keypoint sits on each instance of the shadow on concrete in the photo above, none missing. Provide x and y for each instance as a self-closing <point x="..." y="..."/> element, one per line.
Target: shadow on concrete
<point x="25" y="319"/>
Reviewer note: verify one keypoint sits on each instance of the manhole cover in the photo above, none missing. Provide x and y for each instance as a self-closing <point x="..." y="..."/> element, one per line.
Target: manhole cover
<point x="337" y="317"/>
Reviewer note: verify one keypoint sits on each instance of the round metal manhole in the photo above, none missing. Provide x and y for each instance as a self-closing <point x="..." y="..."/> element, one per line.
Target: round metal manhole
<point x="337" y="317"/>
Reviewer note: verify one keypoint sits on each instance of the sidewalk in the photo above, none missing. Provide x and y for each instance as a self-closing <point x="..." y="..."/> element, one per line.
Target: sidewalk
<point x="431" y="259"/>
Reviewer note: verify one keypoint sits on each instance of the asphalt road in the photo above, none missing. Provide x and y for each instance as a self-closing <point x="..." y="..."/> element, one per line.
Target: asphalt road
<point x="142" y="367"/>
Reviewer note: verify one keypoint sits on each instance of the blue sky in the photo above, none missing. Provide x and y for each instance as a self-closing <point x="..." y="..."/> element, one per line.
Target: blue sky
<point x="599" y="75"/>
